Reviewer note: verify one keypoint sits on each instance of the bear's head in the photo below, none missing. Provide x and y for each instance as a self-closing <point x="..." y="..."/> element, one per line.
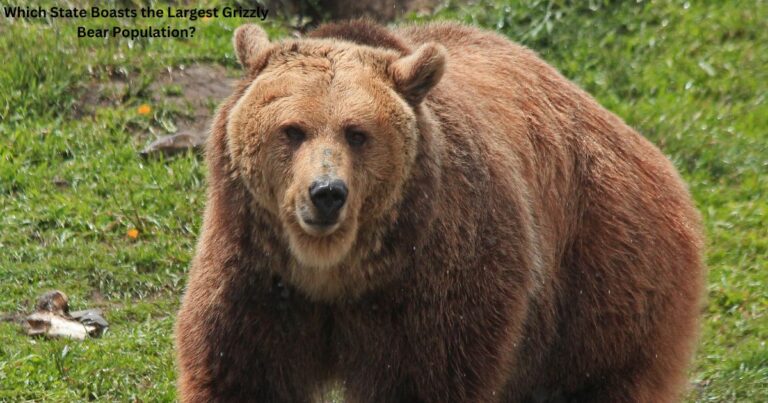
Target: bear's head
<point x="325" y="136"/>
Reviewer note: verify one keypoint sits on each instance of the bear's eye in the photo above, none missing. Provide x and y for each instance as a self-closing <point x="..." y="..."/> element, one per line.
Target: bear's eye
<point x="294" y="134"/>
<point x="356" y="137"/>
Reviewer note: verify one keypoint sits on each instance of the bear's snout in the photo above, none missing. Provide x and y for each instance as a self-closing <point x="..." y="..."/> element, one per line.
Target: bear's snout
<point x="328" y="196"/>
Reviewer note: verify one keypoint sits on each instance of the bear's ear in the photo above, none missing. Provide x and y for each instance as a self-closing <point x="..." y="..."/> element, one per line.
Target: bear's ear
<point x="250" y="42"/>
<point x="414" y="75"/>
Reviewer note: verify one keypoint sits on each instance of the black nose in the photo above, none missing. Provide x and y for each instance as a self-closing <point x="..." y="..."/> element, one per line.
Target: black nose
<point x="328" y="196"/>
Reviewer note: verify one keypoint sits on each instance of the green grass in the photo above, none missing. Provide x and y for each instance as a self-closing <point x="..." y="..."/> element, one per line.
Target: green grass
<point x="690" y="76"/>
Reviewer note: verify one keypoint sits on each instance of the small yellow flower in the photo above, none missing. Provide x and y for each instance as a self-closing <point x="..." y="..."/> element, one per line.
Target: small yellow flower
<point x="205" y="19"/>
<point x="144" y="109"/>
<point x="133" y="233"/>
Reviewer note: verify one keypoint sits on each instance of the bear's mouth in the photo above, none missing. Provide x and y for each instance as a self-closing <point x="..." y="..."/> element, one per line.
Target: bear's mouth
<point x="316" y="240"/>
<point x="316" y="226"/>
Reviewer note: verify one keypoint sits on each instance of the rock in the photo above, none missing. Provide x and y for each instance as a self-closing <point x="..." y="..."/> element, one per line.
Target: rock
<point x="173" y="144"/>
<point x="52" y="325"/>
<point x="92" y="318"/>
<point x="53" y="301"/>
<point x="53" y="319"/>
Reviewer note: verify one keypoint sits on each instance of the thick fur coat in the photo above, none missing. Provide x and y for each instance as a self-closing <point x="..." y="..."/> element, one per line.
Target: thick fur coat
<point x="505" y="238"/>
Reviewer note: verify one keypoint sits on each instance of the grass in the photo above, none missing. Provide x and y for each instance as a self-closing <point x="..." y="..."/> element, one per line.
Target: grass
<point x="690" y="76"/>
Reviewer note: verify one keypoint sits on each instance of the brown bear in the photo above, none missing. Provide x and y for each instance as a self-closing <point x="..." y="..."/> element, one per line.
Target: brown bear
<point x="433" y="214"/>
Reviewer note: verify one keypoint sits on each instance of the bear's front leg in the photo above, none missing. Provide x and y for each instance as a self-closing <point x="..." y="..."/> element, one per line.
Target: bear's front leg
<point x="249" y="339"/>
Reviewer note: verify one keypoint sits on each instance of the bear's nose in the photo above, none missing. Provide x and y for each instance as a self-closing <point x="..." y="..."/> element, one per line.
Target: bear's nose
<point x="328" y="196"/>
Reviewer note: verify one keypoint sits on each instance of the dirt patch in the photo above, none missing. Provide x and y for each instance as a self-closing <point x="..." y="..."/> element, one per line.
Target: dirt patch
<point x="197" y="89"/>
<point x="187" y="95"/>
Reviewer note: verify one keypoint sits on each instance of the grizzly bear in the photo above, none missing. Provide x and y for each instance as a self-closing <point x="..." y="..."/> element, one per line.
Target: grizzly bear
<point x="433" y="214"/>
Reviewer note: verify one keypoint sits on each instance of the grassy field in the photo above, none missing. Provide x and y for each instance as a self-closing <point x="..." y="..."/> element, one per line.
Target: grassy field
<point x="691" y="76"/>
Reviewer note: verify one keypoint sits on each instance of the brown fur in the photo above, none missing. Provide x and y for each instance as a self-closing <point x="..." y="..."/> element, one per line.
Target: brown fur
<point x="505" y="238"/>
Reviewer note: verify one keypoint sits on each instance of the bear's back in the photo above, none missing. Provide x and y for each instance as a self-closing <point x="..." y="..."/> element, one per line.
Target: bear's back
<point x="531" y="121"/>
